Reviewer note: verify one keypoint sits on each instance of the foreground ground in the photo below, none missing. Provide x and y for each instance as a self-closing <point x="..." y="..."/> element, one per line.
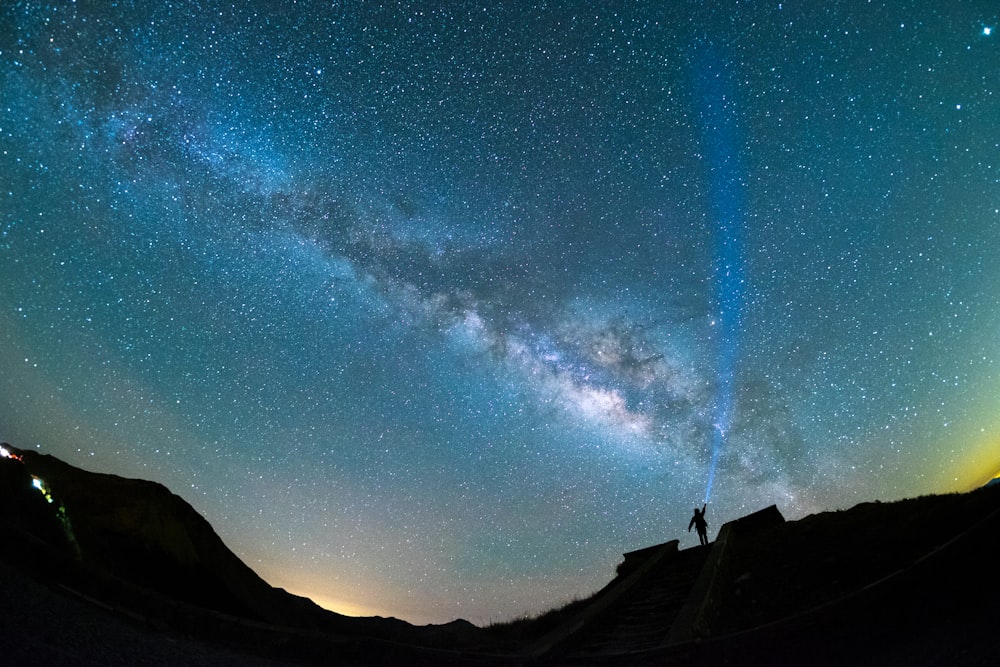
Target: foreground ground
<point x="905" y="583"/>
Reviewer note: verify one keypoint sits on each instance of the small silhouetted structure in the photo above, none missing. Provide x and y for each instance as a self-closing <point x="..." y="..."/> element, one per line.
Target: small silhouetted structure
<point x="698" y="521"/>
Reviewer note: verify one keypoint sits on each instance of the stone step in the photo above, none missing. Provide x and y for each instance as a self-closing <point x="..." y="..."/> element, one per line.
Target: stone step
<point x="643" y="620"/>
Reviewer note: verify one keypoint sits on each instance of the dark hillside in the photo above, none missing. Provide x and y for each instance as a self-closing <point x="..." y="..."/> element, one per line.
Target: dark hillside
<point x="142" y="533"/>
<point x="138" y="547"/>
<point x="798" y="565"/>
<point x="902" y="583"/>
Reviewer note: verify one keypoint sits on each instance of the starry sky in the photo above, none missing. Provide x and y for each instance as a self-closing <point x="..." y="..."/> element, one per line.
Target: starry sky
<point x="433" y="310"/>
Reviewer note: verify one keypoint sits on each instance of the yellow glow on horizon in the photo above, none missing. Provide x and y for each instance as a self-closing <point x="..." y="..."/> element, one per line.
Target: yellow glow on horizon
<point x="981" y="464"/>
<point x="342" y="606"/>
<point x="316" y="593"/>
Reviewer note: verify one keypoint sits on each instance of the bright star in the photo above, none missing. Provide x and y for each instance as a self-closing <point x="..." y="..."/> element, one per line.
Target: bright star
<point x="987" y="30"/>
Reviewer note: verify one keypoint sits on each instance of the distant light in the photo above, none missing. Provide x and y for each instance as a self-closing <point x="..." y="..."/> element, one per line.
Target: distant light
<point x="987" y="30"/>
<point x="40" y="485"/>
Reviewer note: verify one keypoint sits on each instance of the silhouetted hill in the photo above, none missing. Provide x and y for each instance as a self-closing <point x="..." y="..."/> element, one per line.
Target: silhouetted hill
<point x="98" y="569"/>
<point x="904" y="583"/>
<point x="134" y="545"/>
<point x="141" y="532"/>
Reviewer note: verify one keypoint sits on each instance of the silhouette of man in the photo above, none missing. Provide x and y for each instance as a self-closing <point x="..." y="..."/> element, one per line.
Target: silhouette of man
<point x="698" y="521"/>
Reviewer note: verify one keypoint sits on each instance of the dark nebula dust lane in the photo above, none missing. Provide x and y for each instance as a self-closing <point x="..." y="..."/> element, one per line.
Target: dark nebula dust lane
<point x="434" y="312"/>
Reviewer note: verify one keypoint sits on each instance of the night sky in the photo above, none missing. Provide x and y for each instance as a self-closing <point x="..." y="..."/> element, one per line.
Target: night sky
<point x="434" y="313"/>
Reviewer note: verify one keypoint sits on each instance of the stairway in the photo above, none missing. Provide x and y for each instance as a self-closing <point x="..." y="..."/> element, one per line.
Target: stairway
<point x="642" y="619"/>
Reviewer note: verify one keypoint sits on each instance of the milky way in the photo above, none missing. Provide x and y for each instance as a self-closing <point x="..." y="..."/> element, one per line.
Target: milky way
<point x="433" y="313"/>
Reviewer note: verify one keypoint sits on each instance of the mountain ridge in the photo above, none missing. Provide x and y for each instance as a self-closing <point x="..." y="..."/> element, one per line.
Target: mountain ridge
<point x="910" y="578"/>
<point x="139" y="544"/>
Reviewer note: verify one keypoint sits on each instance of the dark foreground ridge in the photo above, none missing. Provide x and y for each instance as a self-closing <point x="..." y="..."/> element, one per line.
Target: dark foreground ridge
<point x="100" y="570"/>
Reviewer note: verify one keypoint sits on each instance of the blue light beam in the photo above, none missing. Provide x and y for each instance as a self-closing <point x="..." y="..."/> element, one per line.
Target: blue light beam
<point x="721" y="146"/>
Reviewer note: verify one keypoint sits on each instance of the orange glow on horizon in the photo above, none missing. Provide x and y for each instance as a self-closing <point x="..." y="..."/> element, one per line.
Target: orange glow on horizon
<point x="339" y="606"/>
